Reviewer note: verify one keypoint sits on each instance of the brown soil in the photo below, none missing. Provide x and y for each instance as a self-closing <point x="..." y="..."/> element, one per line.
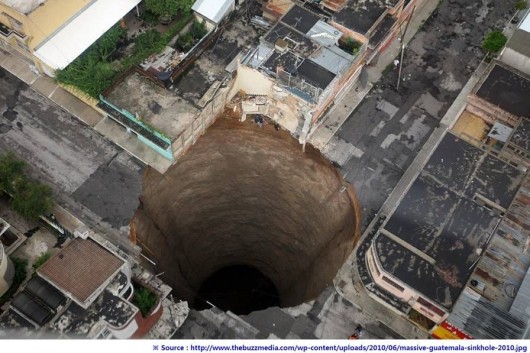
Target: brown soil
<point x="245" y="196"/>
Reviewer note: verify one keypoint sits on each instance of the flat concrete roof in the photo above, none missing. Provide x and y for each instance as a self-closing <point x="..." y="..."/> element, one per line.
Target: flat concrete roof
<point x="507" y="89"/>
<point x="361" y="15"/>
<point x="300" y="19"/>
<point x="439" y="229"/>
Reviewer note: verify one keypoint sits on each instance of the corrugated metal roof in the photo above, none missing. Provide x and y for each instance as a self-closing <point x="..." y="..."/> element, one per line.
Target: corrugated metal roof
<point x="521" y="304"/>
<point x="324" y="34"/>
<point x="500" y="132"/>
<point x="332" y="59"/>
<point x="64" y="46"/>
<point x="477" y="316"/>
<point x="214" y="10"/>
<point x="258" y="56"/>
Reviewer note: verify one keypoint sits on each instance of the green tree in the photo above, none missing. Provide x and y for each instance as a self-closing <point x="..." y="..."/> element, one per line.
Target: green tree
<point x="164" y="7"/>
<point x="11" y="172"/>
<point x="521" y="5"/>
<point x="494" y="41"/>
<point x="32" y="200"/>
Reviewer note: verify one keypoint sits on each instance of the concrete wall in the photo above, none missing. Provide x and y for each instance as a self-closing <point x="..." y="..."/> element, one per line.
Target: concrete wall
<point x="516" y="60"/>
<point x="7" y="271"/>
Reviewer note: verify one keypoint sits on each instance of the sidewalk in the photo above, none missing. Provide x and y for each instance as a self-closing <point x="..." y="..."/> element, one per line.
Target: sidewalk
<point x="19" y="67"/>
<point x="323" y="133"/>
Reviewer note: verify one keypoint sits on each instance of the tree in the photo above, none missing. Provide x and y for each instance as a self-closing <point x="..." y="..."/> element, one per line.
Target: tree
<point x="494" y="41"/>
<point x="32" y="200"/>
<point x="521" y="5"/>
<point x="167" y="7"/>
<point x="11" y="172"/>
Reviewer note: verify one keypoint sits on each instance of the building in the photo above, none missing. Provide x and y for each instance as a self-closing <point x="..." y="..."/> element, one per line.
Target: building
<point x="86" y="290"/>
<point x="299" y="68"/>
<point x="7" y="269"/>
<point x="10" y="240"/>
<point x="499" y="105"/>
<point x="213" y="11"/>
<point x="50" y="34"/>
<point x="430" y="248"/>
<point x="313" y="54"/>
<point x="516" y="53"/>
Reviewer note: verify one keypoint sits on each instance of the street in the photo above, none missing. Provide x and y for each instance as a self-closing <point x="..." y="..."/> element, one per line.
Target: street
<point x="90" y="176"/>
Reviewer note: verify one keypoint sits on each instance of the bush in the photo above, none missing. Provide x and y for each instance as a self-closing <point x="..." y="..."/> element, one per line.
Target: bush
<point x="187" y="40"/>
<point x="494" y="41"/>
<point x="11" y="172"/>
<point x="91" y="72"/>
<point x="351" y="46"/>
<point x="140" y="55"/>
<point x="148" y="42"/>
<point x="168" y="7"/>
<point x="28" y="198"/>
<point x="149" y="17"/>
<point x="144" y="299"/>
<point x="521" y="5"/>
<point x="41" y="260"/>
<point x="20" y="276"/>
<point x="32" y="200"/>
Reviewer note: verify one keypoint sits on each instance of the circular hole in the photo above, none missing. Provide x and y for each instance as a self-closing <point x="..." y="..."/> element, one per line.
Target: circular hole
<point x="244" y="199"/>
<point x="240" y="289"/>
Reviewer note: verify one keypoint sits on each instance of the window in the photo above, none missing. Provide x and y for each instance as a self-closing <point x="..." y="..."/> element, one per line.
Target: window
<point x="393" y="284"/>
<point x="15" y="24"/>
<point x="430" y="306"/>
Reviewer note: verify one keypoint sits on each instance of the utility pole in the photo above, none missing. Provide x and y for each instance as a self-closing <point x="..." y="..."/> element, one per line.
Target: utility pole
<point x="403" y="47"/>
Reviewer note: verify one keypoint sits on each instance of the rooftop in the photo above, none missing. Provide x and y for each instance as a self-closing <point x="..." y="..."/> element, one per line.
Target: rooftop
<point x="507" y="89"/>
<point x="521" y="135"/>
<point x="76" y="321"/>
<point x="519" y="41"/>
<point x="361" y="15"/>
<point x="443" y="223"/>
<point x="157" y="106"/>
<point x="81" y="269"/>
<point x="23" y="6"/>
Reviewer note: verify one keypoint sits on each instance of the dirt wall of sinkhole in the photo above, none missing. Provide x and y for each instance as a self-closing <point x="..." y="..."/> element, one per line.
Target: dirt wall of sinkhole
<point x="248" y="196"/>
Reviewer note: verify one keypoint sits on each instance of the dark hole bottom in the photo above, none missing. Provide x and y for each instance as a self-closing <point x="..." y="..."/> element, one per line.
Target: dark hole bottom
<point x="240" y="289"/>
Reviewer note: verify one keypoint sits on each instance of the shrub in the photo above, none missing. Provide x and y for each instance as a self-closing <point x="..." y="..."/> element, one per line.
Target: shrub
<point x="187" y="40"/>
<point x="28" y="198"/>
<point x="494" y="41"/>
<point x="91" y="72"/>
<point x="20" y="276"/>
<point x="32" y="200"/>
<point x="144" y="299"/>
<point x="521" y="5"/>
<point x="168" y="7"/>
<point x="41" y="260"/>
<point x="11" y="172"/>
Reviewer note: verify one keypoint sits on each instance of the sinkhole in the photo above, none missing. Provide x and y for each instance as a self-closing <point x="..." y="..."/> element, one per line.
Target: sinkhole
<point x="246" y="220"/>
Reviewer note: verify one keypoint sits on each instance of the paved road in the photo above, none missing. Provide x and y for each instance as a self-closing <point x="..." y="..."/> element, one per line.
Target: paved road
<point x="386" y="131"/>
<point x="92" y="177"/>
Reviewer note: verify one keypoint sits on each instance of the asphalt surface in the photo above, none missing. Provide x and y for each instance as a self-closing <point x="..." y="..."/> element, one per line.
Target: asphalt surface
<point x="390" y="126"/>
<point x="96" y="180"/>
